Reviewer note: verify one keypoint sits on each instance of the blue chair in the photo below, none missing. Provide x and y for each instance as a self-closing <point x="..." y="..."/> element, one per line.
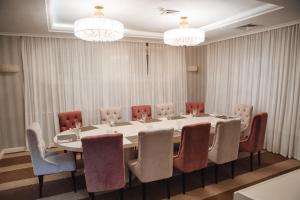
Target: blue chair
<point x="45" y="163"/>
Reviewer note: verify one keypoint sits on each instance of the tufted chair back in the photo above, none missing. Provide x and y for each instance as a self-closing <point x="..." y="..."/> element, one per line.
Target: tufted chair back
<point x="107" y="113"/>
<point x="164" y="110"/>
<point x="138" y="110"/>
<point x="67" y="120"/>
<point x="256" y="138"/>
<point x="244" y="112"/>
<point x="190" y="106"/>
<point x="225" y="147"/>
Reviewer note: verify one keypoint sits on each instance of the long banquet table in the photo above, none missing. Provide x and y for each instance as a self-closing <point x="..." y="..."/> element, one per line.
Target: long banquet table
<point x="130" y="130"/>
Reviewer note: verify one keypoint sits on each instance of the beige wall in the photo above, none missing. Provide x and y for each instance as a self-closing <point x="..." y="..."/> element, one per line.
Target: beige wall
<point x="12" y="122"/>
<point x="196" y="81"/>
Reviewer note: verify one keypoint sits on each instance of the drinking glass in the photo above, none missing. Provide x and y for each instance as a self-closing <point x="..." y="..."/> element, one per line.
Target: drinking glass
<point x="111" y="121"/>
<point x="194" y="112"/>
<point x="144" y="116"/>
<point x="77" y="129"/>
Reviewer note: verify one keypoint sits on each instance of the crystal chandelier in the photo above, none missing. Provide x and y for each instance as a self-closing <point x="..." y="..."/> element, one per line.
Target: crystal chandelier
<point x="98" y="28"/>
<point x="184" y="36"/>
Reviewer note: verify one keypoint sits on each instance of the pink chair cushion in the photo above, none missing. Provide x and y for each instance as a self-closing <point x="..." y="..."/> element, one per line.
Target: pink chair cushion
<point x="67" y="120"/>
<point x="190" y="106"/>
<point x="103" y="162"/>
<point x="255" y="141"/>
<point x="138" y="110"/>
<point x="193" y="150"/>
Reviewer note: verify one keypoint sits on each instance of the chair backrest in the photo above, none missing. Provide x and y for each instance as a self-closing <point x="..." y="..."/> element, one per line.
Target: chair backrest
<point x="190" y="106"/>
<point x="155" y="156"/>
<point x="256" y="138"/>
<point x="138" y="110"/>
<point x="193" y="150"/>
<point x="164" y="110"/>
<point x="103" y="162"/>
<point x="36" y="146"/>
<point x="67" y="120"/>
<point x="225" y="147"/>
<point x="107" y="113"/>
<point x="244" y="112"/>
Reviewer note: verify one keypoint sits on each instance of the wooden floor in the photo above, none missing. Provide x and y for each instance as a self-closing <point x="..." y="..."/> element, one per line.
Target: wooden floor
<point x="18" y="182"/>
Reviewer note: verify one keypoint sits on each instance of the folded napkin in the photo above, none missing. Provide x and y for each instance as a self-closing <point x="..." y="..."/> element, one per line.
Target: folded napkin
<point x="67" y="137"/>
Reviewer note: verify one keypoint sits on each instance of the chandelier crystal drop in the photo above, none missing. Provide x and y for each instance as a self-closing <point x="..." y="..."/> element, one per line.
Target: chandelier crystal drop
<point x="184" y="36"/>
<point x="98" y="28"/>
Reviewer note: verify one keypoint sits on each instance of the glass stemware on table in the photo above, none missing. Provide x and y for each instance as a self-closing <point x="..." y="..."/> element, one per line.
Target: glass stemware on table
<point x="194" y="112"/>
<point x="112" y="121"/>
<point x="144" y="117"/>
<point x="76" y="130"/>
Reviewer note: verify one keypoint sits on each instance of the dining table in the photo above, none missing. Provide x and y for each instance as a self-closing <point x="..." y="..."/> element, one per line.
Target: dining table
<point x="130" y="130"/>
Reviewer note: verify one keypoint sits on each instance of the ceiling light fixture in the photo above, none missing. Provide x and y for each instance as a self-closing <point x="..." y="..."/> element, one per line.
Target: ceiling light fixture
<point x="184" y="36"/>
<point x="98" y="28"/>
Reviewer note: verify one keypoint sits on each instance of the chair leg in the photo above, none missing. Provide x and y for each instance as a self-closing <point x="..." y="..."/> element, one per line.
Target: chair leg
<point x="81" y="156"/>
<point x="144" y="190"/>
<point x="168" y="187"/>
<point x="92" y="195"/>
<point x="232" y="169"/>
<point x="121" y="191"/>
<point x="74" y="181"/>
<point x="203" y="177"/>
<point x="183" y="182"/>
<point x="130" y="178"/>
<point x="216" y="173"/>
<point x="258" y="158"/>
<point x="251" y="161"/>
<point x="41" y="183"/>
<point x="74" y="153"/>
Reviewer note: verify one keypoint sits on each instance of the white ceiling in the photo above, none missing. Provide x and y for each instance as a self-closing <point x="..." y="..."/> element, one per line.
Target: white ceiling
<point x="142" y="18"/>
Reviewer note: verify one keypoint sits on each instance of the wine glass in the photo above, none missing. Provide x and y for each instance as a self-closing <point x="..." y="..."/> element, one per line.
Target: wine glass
<point x="77" y="128"/>
<point x="111" y="121"/>
<point x="144" y="116"/>
<point x="194" y="112"/>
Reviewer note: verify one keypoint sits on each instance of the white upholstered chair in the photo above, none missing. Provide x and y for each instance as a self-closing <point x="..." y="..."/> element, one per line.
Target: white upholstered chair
<point x="164" y="110"/>
<point x="244" y="112"/>
<point x="225" y="146"/>
<point x="45" y="162"/>
<point x="155" y="158"/>
<point x="110" y="113"/>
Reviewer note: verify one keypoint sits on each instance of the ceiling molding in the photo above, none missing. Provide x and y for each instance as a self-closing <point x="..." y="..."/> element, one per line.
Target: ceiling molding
<point x="259" y="30"/>
<point x="261" y="10"/>
<point x="267" y="8"/>
<point x="69" y="36"/>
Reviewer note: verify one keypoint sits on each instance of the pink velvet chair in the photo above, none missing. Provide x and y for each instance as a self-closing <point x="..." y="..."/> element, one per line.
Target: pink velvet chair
<point x="190" y="106"/>
<point x="193" y="150"/>
<point x="254" y="143"/>
<point x="137" y="112"/>
<point x="103" y="163"/>
<point x="67" y="120"/>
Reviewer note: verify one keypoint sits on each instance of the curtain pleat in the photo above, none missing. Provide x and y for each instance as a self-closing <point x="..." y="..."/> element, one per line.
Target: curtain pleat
<point x="65" y="75"/>
<point x="262" y="69"/>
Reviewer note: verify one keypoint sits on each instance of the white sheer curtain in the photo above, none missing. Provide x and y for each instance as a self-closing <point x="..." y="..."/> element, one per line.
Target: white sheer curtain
<point x="65" y="75"/>
<point x="263" y="70"/>
<point x="167" y="68"/>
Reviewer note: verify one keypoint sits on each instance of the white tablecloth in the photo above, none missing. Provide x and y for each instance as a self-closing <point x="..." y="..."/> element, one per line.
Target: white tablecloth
<point x="133" y="130"/>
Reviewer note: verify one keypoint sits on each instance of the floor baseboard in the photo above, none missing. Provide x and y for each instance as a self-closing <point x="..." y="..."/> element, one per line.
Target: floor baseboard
<point x="13" y="150"/>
